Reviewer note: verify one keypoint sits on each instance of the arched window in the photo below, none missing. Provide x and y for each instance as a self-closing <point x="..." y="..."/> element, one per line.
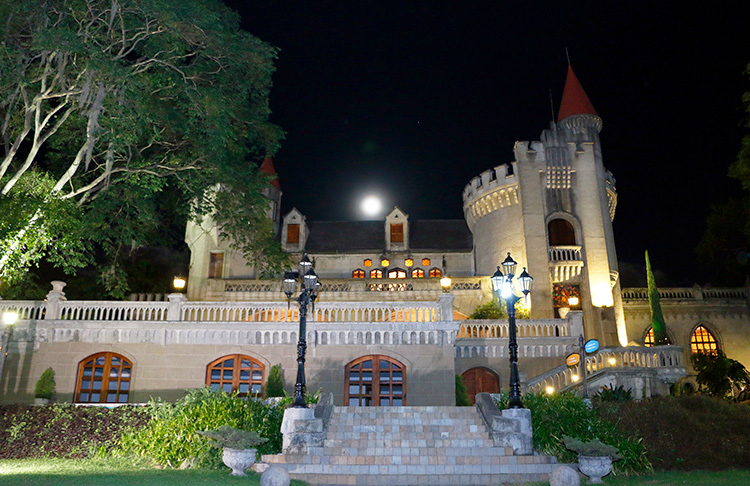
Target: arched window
<point x="376" y="273"/>
<point x="648" y="341"/>
<point x="103" y="378"/>
<point x="561" y="233"/>
<point x="397" y="273"/>
<point x="358" y="273"/>
<point x="435" y="272"/>
<point x="702" y="341"/>
<point x="375" y="380"/>
<point x="236" y="372"/>
<point x="417" y="273"/>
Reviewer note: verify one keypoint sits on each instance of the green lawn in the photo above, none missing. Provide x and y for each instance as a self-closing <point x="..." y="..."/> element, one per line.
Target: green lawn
<point x="109" y="472"/>
<point x="679" y="478"/>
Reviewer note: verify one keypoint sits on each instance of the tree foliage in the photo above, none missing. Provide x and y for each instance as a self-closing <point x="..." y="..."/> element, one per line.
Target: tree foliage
<point x="116" y="113"/>
<point x="658" y="324"/>
<point x="495" y="309"/>
<point x="719" y="376"/>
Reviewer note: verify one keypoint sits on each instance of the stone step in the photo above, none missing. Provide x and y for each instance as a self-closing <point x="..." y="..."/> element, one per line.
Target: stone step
<point x="401" y="443"/>
<point x="342" y="456"/>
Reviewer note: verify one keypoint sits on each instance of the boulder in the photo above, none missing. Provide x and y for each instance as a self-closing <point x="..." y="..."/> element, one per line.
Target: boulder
<point x="275" y="476"/>
<point x="564" y="476"/>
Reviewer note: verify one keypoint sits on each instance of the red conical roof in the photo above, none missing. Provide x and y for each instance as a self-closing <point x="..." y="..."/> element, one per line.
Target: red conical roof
<point x="268" y="168"/>
<point x="574" y="99"/>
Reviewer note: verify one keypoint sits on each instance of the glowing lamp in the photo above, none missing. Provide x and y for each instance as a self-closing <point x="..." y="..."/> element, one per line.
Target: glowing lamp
<point x="573" y="301"/>
<point x="289" y="284"/>
<point x="445" y="283"/>
<point x="525" y="280"/>
<point x="179" y="283"/>
<point x="310" y="280"/>
<point x="10" y="318"/>
<point x="509" y="265"/>
<point x="575" y="378"/>
<point x="612" y="361"/>
<point x="497" y="280"/>
<point x="304" y="265"/>
<point x="550" y="390"/>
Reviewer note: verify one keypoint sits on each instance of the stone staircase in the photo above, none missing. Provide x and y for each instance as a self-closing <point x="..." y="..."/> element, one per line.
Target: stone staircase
<point x="411" y="446"/>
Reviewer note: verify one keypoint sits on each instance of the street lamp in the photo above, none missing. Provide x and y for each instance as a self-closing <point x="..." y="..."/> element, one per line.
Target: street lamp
<point x="9" y="318"/>
<point x="179" y="283"/>
<point x="309" y="289"/>
<point x="502" y="284"/>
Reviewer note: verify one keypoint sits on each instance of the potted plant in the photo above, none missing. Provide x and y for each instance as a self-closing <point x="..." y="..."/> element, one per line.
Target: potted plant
<point x="238" y="445"/>
<point x="45" y="387"/>
<point x="594" y="457"/>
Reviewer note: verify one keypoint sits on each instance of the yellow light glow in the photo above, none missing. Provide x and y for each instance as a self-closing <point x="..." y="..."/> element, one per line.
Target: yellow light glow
<point x="573" y="301"/>
<point x="445" y="283"/>
<point x="426" y="262"/>
<point x="550" y="390"/>
<point x="179" y="283"/>
<point x="385" y="262"/>
<point x="10" y="318"/>
<point x="575" y="378"/>
<point x="612" y="361"/>
<point x="409" y="262"/>
<point x="368" y="262"/>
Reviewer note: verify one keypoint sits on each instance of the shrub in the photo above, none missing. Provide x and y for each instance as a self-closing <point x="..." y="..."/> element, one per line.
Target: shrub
<point x="616" y="394"/>
<point x="172" y="435"/>
<point x="275" y="382"/>
<point x="718" y="375"/>
<point x="233" y="438"/>
<point x="462" y="394"/>
<point x="45" y="386"/>
<point x="689" y="432"/>
<point x="565" y="414"/>
<point x="498" y="310"/>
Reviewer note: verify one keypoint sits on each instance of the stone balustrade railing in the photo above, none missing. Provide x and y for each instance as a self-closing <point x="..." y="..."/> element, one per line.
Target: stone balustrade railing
<point x="357" y="285"/>
<point x="564" y="253"/>
<point x="564" y="376"/>
<point x="696" y="293"/>
<point x="486" y="328"/>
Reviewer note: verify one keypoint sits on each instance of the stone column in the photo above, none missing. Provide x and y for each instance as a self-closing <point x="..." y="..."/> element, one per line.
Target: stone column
<point x="445" y="301"/>
<point x="174" y="310"/>
<point x="54" y="297"/>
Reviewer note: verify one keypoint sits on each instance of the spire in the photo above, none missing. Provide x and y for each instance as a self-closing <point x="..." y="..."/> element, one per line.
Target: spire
<point x="574" y="99"/>
<point x="267" y="168"/>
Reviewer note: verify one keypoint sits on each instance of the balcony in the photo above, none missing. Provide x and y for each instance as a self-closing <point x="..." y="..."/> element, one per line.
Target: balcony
<point x="565" y="263"/>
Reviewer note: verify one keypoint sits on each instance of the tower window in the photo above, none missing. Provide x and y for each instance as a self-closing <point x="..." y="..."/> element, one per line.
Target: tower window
<point x="561" y="233"/>
<point x="385" y="262"/>
<point x="216" y="265"/>
<point x="397" y="233"/>
<point x="702" y="341"/>
<point x="435" y="272"/>
<point x="292" y="233"/>
<point x="358" y="273"/>
<point x="376" y="273"/>
<point x="426" y="262"/>
<point x="417" y="273"/>
<point x="409" y="262"/>
<point x="397" y="273"/>
<point x="368" y="262"/>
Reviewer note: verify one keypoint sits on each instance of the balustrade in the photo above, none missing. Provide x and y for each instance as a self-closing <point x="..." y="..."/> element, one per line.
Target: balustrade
<point x="472" y="328"/>
<point x="569" y="253"/>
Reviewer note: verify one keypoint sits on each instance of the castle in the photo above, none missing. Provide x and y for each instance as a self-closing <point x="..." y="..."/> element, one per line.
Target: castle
<point x="383" y="331"/>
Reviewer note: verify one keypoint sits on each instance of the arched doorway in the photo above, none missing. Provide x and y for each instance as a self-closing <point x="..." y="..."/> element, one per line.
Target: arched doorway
<point x="480" y="380"/>
<point x="375" y="381"/>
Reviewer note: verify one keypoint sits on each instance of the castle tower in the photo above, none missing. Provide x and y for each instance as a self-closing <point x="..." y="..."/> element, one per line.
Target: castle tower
<point x="552" y="208"/>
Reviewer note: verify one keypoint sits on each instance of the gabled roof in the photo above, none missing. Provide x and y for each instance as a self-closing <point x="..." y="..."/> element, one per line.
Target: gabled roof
<point x="267" y="168"/>
<point x="369" y="236"/>
<point x="574" y="99"/>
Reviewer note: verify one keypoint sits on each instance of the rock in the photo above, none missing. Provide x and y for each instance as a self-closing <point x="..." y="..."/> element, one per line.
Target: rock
<point x="259" y="467"/>
<point x="275" y="476"/>
<point x="564" y="476"/>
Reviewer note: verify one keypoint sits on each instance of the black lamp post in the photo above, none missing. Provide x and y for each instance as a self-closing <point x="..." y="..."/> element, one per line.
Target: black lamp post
<point x="308" y="294"/>
<point x="503" y="287"/>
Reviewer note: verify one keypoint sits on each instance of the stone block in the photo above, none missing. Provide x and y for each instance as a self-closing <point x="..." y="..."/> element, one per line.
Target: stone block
<point x="564" y="476"/>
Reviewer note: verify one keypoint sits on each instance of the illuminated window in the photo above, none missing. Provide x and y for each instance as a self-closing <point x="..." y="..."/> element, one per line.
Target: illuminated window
<point x="385" y="262"/>
<point x="292" y="233"/>
<point x="409" y="262"/>
<point x="358" y="273"/>
<point x="648" y="341"/>
<point x="375" y="380"/>
<point x="397" y="233"/>
<point x="216" y="265"/>
<point x="417" y="273"/>
<point x="236" y="372"/>
<point x="368" y="262"/>
<point x="702" y="341"/>
<point x="397" y="273"/>
<point x="103" y="378"/>
<point x="376" y="273"/>
<point x="435" y="272"/>
<point x="426" y="262"/>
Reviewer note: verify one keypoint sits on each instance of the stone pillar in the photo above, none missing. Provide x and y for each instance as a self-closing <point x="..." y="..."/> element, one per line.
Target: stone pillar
<point x="445" y="301"/>
<point x="575" y="322"/>
<point x="54" y="297"/>
<point x="509" y="428"/>
<point x="174" y="310"/>
<point x="301" y="430"/>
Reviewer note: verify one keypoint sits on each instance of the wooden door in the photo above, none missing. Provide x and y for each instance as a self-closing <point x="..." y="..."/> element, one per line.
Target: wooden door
<point x="481" y="380"/>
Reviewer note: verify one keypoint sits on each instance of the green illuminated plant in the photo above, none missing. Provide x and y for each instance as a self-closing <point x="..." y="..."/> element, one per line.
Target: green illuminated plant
<point x="45" y="386"/>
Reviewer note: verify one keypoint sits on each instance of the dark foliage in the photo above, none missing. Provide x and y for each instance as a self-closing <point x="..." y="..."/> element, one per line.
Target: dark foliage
<point x="616" y="394"/>
<point x="64" y="430"/>
<point x="462" y="394"/>
<point x="688" y="433"/>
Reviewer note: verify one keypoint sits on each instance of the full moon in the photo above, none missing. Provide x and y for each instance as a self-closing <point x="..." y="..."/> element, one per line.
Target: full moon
<point x="371" y="206"/>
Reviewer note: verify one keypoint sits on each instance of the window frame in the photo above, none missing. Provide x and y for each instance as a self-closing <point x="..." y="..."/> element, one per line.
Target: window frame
<point x="107" y="367"/>
<point x="236" y="379"/>
<point x="435" y="272"/>
<point x="376" y="273"/>
<point x="694" y="344"/>
<point x="358" y="273"/>
<point x="376" y="371"/>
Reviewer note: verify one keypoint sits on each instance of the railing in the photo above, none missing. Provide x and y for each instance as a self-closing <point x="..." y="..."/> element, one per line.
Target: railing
<point x="26" y="309"/>
<point x="564" y="254"/>
<point x="564" y="376"/>
<point x="472" y="328"/>
<point x="689" y="293"/>
<point x="359" y="285"/>
<point x="113" y="311"/>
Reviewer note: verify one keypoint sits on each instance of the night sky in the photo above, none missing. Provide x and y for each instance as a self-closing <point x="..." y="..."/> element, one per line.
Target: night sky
<point x="411" y="100"/>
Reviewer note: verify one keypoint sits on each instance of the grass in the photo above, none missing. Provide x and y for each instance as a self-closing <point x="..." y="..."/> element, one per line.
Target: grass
<point x="677" y="478"/>
<point x="113" y="472"/>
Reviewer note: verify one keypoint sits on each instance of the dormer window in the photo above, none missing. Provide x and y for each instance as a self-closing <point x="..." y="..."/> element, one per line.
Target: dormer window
<point x="397" y="233"/>
<point x="292" y="234"/>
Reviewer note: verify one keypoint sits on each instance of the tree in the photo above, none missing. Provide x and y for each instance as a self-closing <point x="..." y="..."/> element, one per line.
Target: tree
<point x="275" y="382"/>
<point x="718" y="375"/>
<point x="109" y="108"/>
<point x="658" y="324"/>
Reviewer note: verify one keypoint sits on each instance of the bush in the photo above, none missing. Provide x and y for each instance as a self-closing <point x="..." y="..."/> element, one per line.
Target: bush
<point x="689" y="432"/>
<point x="64" y="430"/>
<point x="172" y="435"/>
<point x="616" y="394"/>
<point x="275" y="382"/>
<point x="498" y="310"/>
<point x="45" y="386"/>
<point x="565" y="414"/>
<point x="462" y="394"/>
